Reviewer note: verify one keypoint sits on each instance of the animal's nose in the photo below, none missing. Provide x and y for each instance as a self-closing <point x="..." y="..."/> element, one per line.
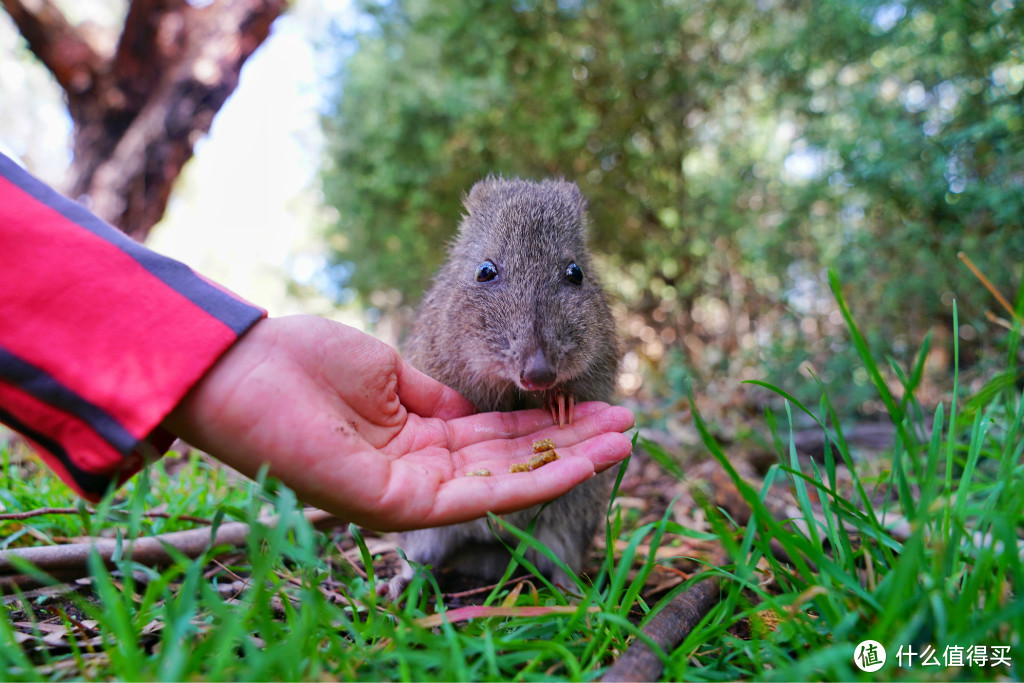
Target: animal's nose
<point x="537" y="375"/>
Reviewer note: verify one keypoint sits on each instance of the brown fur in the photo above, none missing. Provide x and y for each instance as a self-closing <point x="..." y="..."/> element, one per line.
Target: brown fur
<point x="479" y="338"/>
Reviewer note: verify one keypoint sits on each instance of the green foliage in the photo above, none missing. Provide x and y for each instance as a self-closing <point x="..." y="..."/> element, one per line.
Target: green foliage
<point x="195" y="490"/>
<point x="914" y="114"/>
<point x="608" y="94"/>
<point x="731" y="151"/>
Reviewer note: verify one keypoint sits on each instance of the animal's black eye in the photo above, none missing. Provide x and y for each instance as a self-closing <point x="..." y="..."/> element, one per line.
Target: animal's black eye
<point x="486" y="271"/>
<point x="574" y="274"/>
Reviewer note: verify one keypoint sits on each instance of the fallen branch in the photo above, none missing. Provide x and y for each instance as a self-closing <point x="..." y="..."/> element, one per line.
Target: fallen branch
<point x="667" y="629"/>
<point x="151" y="551"/>
<point x="40" y="512"/>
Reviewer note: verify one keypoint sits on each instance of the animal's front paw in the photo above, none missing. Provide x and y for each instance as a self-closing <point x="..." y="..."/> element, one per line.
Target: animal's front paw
<point x="391" y="589"/>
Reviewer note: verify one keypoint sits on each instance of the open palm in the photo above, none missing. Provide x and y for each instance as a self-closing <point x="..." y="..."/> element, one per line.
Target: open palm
<point x="353" y="429"/>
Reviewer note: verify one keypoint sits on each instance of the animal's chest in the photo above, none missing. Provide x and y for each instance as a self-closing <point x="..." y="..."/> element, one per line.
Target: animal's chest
<point x="501" y="398"/>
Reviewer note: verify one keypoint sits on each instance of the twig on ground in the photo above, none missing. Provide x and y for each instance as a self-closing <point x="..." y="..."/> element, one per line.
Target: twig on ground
<point x="355" y="567"/>
<point x="39" y="512"/>
<point x="484" y="589"/>
<point x="667" y="629"/>
<point x="149" y="550"/>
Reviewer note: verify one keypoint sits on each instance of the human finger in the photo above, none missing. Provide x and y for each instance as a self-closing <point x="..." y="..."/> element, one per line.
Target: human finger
<point x="603" y="450"/>
<point x="425" y="396"/>
<point x="512" y="432"/>
<point x="467" y="497"/>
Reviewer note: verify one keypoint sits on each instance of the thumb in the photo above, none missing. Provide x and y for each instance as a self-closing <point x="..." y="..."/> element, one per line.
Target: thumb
<point x="426" y="397"/>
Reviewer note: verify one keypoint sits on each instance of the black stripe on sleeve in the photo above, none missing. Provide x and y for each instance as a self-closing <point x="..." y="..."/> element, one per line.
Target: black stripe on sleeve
<point x="44" y="387"/>
<point x="91" y="484"/>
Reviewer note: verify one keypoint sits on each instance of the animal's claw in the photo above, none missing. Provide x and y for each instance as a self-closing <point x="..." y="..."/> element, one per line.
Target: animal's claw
<point x="562" y="407"/>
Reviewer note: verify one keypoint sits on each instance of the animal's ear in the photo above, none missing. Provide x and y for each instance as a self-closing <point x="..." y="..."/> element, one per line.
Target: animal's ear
<point x="480" y="194"/>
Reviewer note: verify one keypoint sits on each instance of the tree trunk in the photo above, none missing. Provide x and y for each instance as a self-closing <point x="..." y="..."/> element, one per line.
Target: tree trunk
<point x="138" y="113"/>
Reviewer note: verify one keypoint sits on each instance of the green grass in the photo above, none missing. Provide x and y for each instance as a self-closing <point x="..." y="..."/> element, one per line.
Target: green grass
<point x="151" y="503"/>
<point x="924" y="551"/>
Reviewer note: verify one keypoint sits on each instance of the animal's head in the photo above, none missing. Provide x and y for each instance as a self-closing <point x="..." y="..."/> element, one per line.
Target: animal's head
<point x="526" y="282"/>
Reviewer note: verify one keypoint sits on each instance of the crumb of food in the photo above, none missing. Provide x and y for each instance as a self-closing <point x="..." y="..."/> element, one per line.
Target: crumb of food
<point x="543" y="445"/>
<point x="542" y="459"/>
<point x="478" y="473"/>
<point x="539" y="460"/>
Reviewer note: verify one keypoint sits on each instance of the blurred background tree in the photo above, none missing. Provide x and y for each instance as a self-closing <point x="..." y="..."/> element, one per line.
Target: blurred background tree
<point x="731" y="152"/>
<point x="140" y="91"/>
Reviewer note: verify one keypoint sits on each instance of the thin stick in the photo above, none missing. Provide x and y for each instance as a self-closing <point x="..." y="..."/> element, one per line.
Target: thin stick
<point x="147" y="550"/>
<point x="483" y="589"/>
<point x="358" y="570"/>
<point x="39" y="512"/>
<point x="988" y="285"/>
<point x="1002" y="322"/>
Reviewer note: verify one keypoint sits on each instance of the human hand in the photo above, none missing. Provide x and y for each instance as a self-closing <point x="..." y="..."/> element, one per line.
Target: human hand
<point x="355" y="430"/>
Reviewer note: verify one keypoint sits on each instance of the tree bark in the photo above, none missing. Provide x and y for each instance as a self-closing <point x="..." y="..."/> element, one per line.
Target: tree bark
<point x="138" y="112"/>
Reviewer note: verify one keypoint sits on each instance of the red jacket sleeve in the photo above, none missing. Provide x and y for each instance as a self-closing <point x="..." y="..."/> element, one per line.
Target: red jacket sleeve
<point x="99" y="337"/>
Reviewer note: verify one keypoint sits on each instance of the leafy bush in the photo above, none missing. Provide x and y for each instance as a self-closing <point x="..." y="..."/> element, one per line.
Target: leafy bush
<point x="732" y="151"/>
